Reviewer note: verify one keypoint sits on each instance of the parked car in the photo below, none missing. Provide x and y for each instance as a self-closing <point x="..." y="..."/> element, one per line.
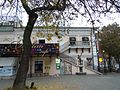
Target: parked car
<point x="117" y="69"/>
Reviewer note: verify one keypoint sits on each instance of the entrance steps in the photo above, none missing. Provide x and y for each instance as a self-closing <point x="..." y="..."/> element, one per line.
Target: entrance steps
<point x="91" y="71"/>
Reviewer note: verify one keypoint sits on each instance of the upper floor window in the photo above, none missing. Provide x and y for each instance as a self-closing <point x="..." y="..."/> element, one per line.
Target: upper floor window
<point x="69" y="50"/>
<point x="76" y="50"/>
<point x="85" y="39"/>
<point x="89" y="50"/>
<point x="41" y="41"/>
<point x="72" y="40"/>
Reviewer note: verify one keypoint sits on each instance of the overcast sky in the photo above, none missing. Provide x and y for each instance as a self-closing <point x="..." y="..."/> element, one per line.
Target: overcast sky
<point x="105" y="20"/>
<point x="82" y="22"/>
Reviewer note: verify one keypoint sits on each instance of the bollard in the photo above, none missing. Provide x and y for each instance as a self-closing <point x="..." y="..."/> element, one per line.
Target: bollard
<point x="32" y="84"/>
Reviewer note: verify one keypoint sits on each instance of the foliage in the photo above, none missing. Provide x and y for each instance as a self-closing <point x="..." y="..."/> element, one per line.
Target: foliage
<point x="59" y="10"/>
<point x="110" y="39"/>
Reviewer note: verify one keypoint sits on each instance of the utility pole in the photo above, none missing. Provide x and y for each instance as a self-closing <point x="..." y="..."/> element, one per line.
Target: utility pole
<point x="97" y="48"/>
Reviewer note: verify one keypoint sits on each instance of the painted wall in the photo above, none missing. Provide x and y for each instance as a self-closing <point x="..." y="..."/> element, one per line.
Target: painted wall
<point x="8" y="66"/>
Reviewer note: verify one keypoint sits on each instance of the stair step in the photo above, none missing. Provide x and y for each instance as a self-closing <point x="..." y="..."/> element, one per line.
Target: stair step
<point x="81" y="73"/>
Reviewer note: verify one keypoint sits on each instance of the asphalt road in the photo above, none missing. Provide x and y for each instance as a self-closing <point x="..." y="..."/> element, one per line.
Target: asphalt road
<point x="73" y="82"/>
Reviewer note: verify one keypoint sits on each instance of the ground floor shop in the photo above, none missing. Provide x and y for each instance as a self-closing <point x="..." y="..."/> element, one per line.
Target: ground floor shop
<point x="42" y="61"/>
<point x="43" y="66"/>
<point x="45" y="60"/>
<point x="38" y="66"/>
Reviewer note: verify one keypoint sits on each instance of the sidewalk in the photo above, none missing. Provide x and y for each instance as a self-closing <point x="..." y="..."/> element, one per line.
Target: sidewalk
<point x="42" y="83"/>
<point x="71" y="82"/>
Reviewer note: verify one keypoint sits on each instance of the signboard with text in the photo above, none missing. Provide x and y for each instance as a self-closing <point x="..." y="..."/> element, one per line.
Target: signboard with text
<point x="57" y="64"/>
<point x="14" y="50"/>
<point x="100" y="59"/>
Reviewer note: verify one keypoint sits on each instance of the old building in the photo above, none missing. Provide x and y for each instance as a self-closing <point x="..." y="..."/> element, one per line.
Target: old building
<point x="67" y="56"/>
<point x="78" y="47"/>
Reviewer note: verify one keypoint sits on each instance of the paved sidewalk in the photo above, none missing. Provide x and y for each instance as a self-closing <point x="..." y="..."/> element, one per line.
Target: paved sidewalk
<point x="72" y="82"/>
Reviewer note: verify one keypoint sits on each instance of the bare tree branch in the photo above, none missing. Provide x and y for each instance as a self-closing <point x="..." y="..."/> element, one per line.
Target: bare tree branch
<point x="26" y="7"/>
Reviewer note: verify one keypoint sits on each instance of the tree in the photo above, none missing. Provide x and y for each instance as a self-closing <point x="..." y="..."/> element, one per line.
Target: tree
<point x="110" y="41"/>
<point x="57" y="10"/>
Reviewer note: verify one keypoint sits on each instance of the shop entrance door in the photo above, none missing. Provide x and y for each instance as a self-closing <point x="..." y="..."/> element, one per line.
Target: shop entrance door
<point x="38" y="66"/>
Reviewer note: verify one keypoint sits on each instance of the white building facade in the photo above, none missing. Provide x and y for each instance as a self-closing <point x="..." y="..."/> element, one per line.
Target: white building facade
<point x="76" y="50"/>
<point x="79" y="44"/>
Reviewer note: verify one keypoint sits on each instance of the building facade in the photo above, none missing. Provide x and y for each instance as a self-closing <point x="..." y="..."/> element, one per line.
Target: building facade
<point x="79" y="44"/>
<point x="67" y="56"/>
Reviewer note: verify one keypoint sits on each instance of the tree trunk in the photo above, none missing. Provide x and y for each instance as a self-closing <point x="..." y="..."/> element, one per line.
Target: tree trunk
<point x="20" y="80"/>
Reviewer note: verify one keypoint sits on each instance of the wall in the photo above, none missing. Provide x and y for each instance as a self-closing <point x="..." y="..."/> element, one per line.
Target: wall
<point x="78" y="32"/>
<point x="8" y="66"/>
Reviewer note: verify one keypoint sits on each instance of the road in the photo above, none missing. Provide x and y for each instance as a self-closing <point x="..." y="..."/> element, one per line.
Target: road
<point x="72" y="82"/>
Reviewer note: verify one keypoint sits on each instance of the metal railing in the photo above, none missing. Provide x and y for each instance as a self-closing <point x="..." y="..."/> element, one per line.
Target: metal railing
<point x="80" y="43"/>
<point x="89" y="66"/>
<point x="68" y="59"/>
<point x="75" y="44"/>
<point x="64" y="46"/>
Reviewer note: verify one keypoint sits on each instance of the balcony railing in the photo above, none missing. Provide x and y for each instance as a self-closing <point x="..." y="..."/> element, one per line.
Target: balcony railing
<point x="68" y="59"/>
<point x="75" y="44"/>
<point x="80" y="44"/>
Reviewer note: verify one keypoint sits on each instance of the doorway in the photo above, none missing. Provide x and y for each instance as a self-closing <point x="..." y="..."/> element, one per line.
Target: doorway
<point x="38" y="66"/>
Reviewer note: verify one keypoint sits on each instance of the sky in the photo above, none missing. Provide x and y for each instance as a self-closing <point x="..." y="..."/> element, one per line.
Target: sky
<point x="105" y="20"/>
<point x="82" y="22"/>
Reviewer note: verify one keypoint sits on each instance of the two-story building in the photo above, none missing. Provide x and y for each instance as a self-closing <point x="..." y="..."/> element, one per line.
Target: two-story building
<point x="78" y="45"/>
<point x="67" y="56"/>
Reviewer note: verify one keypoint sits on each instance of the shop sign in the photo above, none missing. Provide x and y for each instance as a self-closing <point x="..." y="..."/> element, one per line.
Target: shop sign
<point x="100" y="59"/>
<point x="58" y="64"/>
<point x="13" y="50"/>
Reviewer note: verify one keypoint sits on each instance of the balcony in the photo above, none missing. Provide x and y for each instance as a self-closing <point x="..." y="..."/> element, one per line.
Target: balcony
<point x="79" y="44"/>
<point x="74" y="44"/>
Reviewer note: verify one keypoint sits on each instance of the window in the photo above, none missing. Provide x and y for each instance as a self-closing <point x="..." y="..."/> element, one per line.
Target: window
<point x="1" y="66"/>
<point x="72" y="40"/>
<point x="41" y="41"/>
<point x="85" y="39"/>
<point x="69" y="50"/>
<point x="76" y="50"/>
<point x="82" y="50"/>
<point x="89" y="50"/>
